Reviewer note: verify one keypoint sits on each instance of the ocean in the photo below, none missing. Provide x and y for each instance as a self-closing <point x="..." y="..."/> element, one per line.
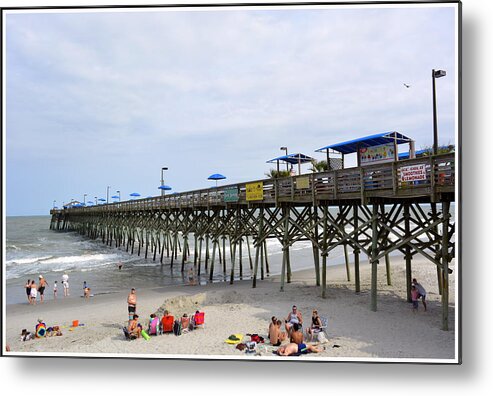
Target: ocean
<point x="32" y="249"/>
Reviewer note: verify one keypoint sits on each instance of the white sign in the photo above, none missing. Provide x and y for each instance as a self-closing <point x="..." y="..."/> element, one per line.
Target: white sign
<point x="377" y="154"/>
<point x="413" y="172"/>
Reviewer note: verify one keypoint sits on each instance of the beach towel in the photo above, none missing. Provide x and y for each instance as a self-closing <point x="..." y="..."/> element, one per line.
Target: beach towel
<point x="234" y="339"/>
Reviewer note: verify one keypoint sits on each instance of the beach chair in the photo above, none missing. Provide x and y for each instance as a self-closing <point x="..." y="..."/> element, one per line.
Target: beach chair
<point x="198" y="319"/>
<point x="323" y="328"/>
<point x="128" y="336"/>
<point x="167" y="324"/>
<point x="154" y="328"/>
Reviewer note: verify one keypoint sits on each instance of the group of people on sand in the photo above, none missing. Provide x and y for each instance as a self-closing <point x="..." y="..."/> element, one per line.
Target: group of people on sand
<point x="293" y="333"/>
<point x="158" y="325"/>
<point x="33" y="289"/>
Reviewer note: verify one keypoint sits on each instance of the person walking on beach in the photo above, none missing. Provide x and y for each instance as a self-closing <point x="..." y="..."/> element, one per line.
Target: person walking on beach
<point x="132" y="304"/>
<point x="27" y="286"/>
<point x="65" y="285"/>
<point x="191" y="277"/>
<point x="55" y="290"/>
<point x="42" y="287"/>
<point x="414" y="298"/>
<point x="120" y="265"/>
<point x="421" y="291"/>
<point x="33" y="292"/>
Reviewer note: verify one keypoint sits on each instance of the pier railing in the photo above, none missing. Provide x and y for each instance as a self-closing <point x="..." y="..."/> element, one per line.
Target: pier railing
<point x="419" y="177"/>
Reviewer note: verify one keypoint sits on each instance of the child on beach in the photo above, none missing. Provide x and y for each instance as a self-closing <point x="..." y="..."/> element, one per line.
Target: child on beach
<point x="134" y="328"/>
<point x="421" y="291"/>
<point x="414" y="298"/>
<point x="26" y="335"/>
<point x="55" y="289"/>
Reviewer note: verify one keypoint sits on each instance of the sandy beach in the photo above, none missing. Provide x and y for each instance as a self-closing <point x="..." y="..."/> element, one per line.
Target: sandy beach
<point x="354" y="332"/>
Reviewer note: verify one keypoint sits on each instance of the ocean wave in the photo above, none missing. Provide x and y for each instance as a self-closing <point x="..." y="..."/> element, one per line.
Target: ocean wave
<point x="27" y="260"/>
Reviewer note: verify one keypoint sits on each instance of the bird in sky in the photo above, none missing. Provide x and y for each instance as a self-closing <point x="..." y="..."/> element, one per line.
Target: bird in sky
<point x="407" y="85"/>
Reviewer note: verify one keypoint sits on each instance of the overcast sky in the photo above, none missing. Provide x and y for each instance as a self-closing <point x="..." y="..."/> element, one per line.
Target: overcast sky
<point x="109" y="98"/>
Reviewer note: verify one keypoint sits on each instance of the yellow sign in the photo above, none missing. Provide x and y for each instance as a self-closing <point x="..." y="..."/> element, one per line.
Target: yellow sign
<point x="255" y="191"/>
<point x="302" y="182"/>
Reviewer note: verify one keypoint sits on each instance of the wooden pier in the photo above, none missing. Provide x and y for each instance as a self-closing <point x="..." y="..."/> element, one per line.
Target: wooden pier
<point x="371" y="210"/>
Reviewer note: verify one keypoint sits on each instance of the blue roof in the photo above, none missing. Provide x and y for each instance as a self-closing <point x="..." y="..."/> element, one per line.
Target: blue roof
<point x="352" y="146"/>
<point x="293" y="158"/>
<point x="418" y="153"/>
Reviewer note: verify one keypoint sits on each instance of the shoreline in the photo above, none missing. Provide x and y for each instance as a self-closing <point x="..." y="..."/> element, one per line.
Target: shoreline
<point x="393" y="332"/>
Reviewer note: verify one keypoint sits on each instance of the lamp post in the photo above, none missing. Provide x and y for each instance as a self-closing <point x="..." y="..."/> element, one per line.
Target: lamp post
<point x="286" y="150"/>
<point x="162" y="180"/>
<point x="54" y="202"/>
<point x="96" y="200"/>
<point x="85" y="195"/>
<point x="434" y="75"/>
<point x="107" y="194"/>
<point x="119" y="196"/>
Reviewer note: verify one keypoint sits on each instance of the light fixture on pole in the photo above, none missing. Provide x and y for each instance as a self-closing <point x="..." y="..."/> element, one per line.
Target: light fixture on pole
<point x="107" y="194"/>
<point x="162" y="180"/>
<point x="434" y="75"/>
<point x="96" y="200"/>
<point x="54" y="202"/>
<point x="85" y="195"/>
<point x="286" y="150"/>
<point x="119" y="195"/>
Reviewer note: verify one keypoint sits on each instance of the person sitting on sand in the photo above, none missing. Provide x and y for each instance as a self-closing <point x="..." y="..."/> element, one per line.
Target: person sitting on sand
<point x="153" y="327"/>
<point x="185" y="323"/>
<point x="296" y="335"/>
<point x="134" y="328"/>
<point x="297" y="349"/>
<point x="276" y="336"/>
<point x="26" y="335"/>
<point x="316" y="324"/>
<point x="293" y="317"/>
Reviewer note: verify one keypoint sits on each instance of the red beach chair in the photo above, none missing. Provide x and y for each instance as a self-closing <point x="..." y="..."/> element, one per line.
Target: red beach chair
<point x="167" y="324"/>
<point x="199" y="319"/>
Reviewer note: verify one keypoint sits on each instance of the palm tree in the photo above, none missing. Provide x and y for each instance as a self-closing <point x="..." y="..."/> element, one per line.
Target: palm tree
<point x="319" y="166"/>
<point x="276" y="174"/>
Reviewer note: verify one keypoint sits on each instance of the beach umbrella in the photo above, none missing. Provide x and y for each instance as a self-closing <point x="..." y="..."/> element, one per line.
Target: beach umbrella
<point x="216" y="177"/>
<point x="115" y="196"/>
<point x="134" y="194"/>
<point x="101" y="199"/>
<point x="164" y="187"/>
<point x="90" y="202"/>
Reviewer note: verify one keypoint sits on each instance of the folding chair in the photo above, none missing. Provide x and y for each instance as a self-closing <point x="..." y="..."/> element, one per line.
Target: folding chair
<point x="198" y="319"/>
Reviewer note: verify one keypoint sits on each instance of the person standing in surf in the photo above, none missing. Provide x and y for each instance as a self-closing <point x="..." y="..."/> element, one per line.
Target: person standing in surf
<point x="65" y="285"/>
<point x="28" y="290"/>
<point x="33" y="292"/>
<point x="42" y="287"/>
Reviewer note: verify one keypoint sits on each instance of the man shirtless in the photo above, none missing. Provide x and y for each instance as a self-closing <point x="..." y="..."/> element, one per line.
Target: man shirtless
<point x="296" y="335"/>
<point x="295" y="349"/>
<point x="133" y="326"/>
<point x="276" y="336"/>
<point x="132" y="304"/>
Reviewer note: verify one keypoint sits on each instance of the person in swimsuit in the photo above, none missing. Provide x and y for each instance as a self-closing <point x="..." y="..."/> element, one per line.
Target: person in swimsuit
<point x="296" y="335"/>
<point x="33" y="292"/>
<point x="65" y="285"/>
<point x="297" y="349"/>
<point x="276" y="336"/>
<point x="293" y="317"/>
<point x="134" y="328"/>
<point x="42" y="286"/>
<point x="132" y="304"/>
<point x="55" y="289"/>
<point x="28" y="290"/>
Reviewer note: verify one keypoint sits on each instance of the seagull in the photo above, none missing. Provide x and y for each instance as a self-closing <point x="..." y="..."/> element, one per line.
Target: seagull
<point x="407" y="85"/>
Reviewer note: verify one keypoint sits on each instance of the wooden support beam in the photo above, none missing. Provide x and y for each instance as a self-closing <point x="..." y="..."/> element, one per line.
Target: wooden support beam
<point x="374" y="260"/>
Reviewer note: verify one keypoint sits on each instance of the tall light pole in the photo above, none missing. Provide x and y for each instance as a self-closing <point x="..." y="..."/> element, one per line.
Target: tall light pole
<point x="85" y="195"/>
<point x="286" y="150"/>
<point x="96" y="200"/>
<point x="54" y="202"/>
<point x="434" y="75"/>
<point x="162" y="179"/>
<point x="108" y="194"/>
<point x="119" y="196"/>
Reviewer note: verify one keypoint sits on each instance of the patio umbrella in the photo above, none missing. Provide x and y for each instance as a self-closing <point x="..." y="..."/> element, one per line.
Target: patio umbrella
<point x="134" y="194"/>
<point x="164" y="188"/>
<point x="115" y="196"/>
<point x="216" y="177"/>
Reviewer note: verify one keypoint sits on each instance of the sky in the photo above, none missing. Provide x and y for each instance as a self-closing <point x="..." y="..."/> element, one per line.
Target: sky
<point x="98" y="99"/>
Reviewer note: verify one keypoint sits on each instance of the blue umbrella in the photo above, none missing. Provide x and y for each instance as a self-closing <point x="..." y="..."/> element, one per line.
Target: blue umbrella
<point x="102" y="199"/>
<point x="90" y="202"/>
<point x="164" y="187"/>
<point x="216" y="177"/>
<point x="135" y="195"/>
<point x="115" y="196"/>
